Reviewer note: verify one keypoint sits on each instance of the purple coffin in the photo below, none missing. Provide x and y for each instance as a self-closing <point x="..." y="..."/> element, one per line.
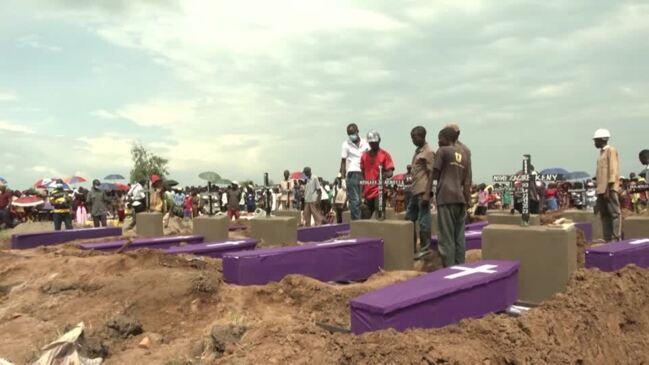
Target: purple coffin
<point x="214" y="249"/>
<point x="340" y="260"/>
<point x="472" y="240"/>
<point x="615" y="256"/>
<point x="438" y="299"/>
<point x="31" y="240"/>
<point x="159" y="242"/>
<point x="320" y="233"/>
<point x="477" y="226"/>
<point x="587" y="228"/>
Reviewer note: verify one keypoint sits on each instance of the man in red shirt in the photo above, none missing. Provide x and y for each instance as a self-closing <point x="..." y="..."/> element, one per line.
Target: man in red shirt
<point x="370" y="162"/>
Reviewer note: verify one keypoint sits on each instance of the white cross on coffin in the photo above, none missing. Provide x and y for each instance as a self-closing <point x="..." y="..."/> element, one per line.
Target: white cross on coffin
<point x="639" y="242"/>
<point x="230" y="243"/>
<point x="472" y="233"/>
<point x="466" y="271"/>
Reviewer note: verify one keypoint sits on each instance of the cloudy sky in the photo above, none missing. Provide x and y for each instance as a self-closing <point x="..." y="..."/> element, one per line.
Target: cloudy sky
<point x="242" y="87"/>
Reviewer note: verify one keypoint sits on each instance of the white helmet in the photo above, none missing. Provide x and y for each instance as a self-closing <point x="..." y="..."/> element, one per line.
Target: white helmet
<point x="373" y="136"/>
<point x="602" y="133"/>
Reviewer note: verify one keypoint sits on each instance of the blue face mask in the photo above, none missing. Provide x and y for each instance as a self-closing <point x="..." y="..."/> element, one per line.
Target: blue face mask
<point x="353" y="137"/>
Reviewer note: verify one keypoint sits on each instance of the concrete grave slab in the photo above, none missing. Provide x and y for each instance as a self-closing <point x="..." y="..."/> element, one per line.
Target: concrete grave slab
<point x="293" y="213"/>
<point x="438" y="299"/>
<point x="511" y="219"/>
<point x="215" y="228"/>
<point x="274" y="230"/>
<point x="214" y="249"/>
<point x="636" y="226"/>
<point x="615" y="256"/>
<point x="149" y="225"/>
<point x="340" y="260"/>
<point x="547" y="256"/>
<point x="153" y="243"/>
<point x="397" y="239"/>
<point x="31" y="240"/>
<point x="472" y="240"/>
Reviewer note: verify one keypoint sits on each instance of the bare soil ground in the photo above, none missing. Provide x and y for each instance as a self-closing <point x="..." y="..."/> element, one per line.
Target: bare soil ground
<point x="191" y="317"/>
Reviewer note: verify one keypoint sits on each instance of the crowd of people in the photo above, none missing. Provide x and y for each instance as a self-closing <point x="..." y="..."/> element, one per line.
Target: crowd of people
<point x="435" y="181"/>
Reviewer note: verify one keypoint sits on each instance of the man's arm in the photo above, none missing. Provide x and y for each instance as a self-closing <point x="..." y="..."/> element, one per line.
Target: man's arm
<point x="613" y="167"/>
<point x="388" y="167"/>
<point x="343" y="161"/>
<point x="434" y="173"/>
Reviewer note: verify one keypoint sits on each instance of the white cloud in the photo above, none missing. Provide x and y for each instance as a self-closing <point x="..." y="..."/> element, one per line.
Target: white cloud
<point x="7" y="96"/>
<point x="104" y="114"/>
<point x="552" y="90"/>
<point x="165" y="113"/>
<point x="7" y="126"/>
<point x="47" y="172"/>
<point x="34" y="41"/>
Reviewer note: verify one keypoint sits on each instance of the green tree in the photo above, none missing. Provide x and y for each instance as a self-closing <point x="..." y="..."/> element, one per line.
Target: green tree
<point x="146" y="163"/>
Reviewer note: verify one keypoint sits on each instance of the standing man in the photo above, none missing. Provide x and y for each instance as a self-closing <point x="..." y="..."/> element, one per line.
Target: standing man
<point x="61" y="199"/>
<point x="285" y="192"/>
<point x="418" y="207"/>
<point x="98" y="204"/>
<point x="350" y="167"/>
<point x="608" y="185"/>
<point x="137" y="198"/>
<point x="370" y="162"/>
<point x="312" y="194"/>
<point x="234" y="196"/>
<point x="452" y="171"/>
<point x="5" y="206"/>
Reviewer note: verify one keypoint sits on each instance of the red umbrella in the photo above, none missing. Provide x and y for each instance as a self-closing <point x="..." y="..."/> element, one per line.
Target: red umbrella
<point x="44" y="183"/>
<point x="122" y="187"/>
<point x="28" y="201"/>
<point x="298" y="175"/>
<point x="399" y="177"/>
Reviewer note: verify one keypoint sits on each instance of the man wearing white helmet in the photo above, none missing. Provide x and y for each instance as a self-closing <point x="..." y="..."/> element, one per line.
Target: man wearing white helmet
<point x="608" y="185"/>
<point x="370" y="162"/>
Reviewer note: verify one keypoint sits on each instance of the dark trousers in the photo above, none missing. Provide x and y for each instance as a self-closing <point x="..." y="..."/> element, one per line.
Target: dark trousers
<point x="60" y="218"/>
<point x="99" y="219"/>
<point x="339" y="213"/>
<point x="419" y="213"/>
<point x="136" y="209"/>
<point x="5" y="217"/>
<point x="450" y="220"/>
<point x="373" y="207"/>
<point x="610" y="215"/>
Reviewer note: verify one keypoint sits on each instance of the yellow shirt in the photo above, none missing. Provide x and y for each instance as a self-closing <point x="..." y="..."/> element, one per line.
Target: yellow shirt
<point x="608" y="169"/>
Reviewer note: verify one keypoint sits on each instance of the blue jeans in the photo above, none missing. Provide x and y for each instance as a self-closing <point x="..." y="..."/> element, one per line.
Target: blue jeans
<point x="418" y="213"/>
<point x="354" y="194"/>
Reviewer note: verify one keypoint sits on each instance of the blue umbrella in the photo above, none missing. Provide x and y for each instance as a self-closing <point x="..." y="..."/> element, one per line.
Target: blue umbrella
<point x="3" y="181"/>
<point x="555" y="170"/>
<point x="114" y="177"/>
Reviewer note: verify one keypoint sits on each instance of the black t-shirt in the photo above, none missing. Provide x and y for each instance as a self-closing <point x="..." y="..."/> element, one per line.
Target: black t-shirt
<point x="454" y="166"/>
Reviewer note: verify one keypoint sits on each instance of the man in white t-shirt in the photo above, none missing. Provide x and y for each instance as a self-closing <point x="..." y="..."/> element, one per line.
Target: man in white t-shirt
<point x="350" y="167"/>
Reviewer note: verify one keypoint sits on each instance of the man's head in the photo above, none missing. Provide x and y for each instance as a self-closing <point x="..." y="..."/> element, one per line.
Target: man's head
<point x="352" y="132"/>
<point x="156" y="181"/>
<point x="374" y="140"/>
<point x="2" y="188"/>
<point x="644" y="157"/>
<point x="409" y="168"/>
<point x="286" y="174"/>
<point x="418" y="136"/>
<point x="456" y="128"/>
<point x="447" y="137"/>
<point x="307" y="172"/>
<point x="601" y="138"/>
<point x="96" y="183"/>
<point x="142" y="182"/>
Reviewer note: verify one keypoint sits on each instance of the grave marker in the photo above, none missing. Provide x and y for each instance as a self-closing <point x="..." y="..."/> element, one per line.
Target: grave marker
<point x="382" y="184"/>
<point x="528" y="182"/>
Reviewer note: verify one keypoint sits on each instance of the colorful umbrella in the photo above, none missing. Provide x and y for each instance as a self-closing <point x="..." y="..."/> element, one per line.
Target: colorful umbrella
<point x="114" y="177"/>
<point x="45" y="183"/>
<point x="28" y="201"/>
<point x="298" y="175"/>
<point x="74" y="180"/>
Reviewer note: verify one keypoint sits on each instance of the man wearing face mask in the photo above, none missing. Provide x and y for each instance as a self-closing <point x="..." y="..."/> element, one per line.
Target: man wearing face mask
<point x="350" y="167"/>
<point x="370" y="162"/>
<point x="608" y="185"/>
